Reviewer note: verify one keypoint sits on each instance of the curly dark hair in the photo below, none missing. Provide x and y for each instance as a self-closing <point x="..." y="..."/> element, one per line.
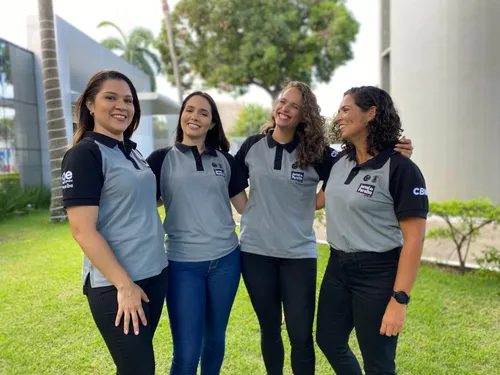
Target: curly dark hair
<point x="385" y="129"/>
<point x="311" y="130"/>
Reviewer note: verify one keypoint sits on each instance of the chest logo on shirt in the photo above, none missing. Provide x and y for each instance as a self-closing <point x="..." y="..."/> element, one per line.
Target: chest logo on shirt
<point x="366" y="190"/>
<point x="219" y="172"/>
<point x="297" y="176"/>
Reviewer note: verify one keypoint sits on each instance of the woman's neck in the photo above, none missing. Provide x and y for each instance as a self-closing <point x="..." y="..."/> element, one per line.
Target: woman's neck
<point x="283" y="136"/>
<point x="198" y="142"/>
<point x="362" y="155"/>
<point x="102" y="130"/>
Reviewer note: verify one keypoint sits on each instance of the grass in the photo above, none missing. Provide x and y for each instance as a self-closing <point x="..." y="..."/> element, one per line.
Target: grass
<point x="453" y="324"/>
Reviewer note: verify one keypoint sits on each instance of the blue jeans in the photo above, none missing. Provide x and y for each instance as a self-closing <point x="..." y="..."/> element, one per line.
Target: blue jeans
<point x="199" y="300"/>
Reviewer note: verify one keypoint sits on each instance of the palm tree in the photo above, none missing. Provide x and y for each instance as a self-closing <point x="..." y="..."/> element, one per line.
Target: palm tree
<point x="135" y="49"/>
<point x="58" y="141"/>
<point x="171" y="45"/>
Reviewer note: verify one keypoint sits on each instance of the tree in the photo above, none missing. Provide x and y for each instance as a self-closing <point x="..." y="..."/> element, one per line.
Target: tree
<point x="135" y="49"/>
<point x="5" y="68"/>
<point x="231" y="44"/>
<point x="58" y="141"/>
<point x="250" y="121"/>
<point x="6" y="128"/>
<point x="171" y="46"/>
<point x="464" y="220"/>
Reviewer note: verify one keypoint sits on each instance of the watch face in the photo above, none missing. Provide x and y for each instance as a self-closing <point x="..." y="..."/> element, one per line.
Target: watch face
<point x="401" y="297"/>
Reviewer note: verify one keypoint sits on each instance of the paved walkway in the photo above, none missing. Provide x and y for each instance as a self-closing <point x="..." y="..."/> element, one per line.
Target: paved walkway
<point x="442" y="251"/>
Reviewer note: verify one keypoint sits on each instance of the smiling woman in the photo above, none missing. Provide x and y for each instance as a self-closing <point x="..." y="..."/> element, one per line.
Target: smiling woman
<point x="104" y="180"/>
<point x="197" y="181"/>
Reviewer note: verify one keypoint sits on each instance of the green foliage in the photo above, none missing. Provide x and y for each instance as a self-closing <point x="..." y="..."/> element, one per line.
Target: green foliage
<point x="490" y="258"/>
<point x="250" y="121"/>
<point x="136" y="49"/>
<point x="451" y="326"/>
<point x="332" y="131"/>
<point x="17" y="200"/>
<point x="9" y="177"/>
<point x="231" y="44"/>
<point x="7" y="128"/>
<point x="464" y="221"/>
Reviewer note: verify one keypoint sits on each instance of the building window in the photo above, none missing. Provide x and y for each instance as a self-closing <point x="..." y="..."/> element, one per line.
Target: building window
<point x="20" y="149"/>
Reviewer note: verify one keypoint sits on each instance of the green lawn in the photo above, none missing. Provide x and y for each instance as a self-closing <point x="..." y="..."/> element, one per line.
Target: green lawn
<point x="453" y="324"/>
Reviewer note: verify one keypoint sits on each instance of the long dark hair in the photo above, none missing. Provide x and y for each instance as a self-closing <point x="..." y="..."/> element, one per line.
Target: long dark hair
<point x="310" y="131"/>
<point x="385" y="129"/>
<point x="216" y="138"/>
<point x="86" y="120"/>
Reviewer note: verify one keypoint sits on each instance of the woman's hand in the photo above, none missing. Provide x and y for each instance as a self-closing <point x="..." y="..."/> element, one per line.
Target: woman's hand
<point x="405" y="147"/>
<point x="394" y="318"/>
<point x="130" y="300"/>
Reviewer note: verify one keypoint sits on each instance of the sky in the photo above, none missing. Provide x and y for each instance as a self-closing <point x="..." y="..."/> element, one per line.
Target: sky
<point x="364" y="69"/>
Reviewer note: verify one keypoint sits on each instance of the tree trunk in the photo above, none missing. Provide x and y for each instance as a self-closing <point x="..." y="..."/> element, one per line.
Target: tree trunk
<point x="171" y="46"/>
<point x="58" y="142"/>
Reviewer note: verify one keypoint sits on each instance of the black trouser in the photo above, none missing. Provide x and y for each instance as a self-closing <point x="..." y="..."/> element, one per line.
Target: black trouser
<point x="272" y="282"/>
<point x="354" y="293"/>
<point x="132" y="354"/>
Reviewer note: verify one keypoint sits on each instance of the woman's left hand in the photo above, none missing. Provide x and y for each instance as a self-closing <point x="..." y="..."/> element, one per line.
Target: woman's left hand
<point x="394" y="318"/>
<point x="405" y="147"/>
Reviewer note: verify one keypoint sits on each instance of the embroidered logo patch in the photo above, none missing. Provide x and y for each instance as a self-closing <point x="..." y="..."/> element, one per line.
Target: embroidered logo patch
<point x="366" y="190"/>
<point x="219" y="172"/>
<point x="297" y="176"/>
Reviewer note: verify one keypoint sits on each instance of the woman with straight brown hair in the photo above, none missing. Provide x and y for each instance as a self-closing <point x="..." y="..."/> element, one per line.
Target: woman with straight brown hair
<point x="109" y="193"/>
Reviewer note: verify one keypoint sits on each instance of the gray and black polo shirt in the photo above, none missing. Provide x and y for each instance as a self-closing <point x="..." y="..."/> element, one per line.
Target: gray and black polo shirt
<point x="364" y="203"/>
<point x="102" y="171"/>
<point x="196" y="190"/>
<point x="279" y="215"/>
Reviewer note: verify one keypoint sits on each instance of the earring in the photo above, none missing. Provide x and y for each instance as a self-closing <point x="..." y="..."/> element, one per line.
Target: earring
<point x="92" y="114"/>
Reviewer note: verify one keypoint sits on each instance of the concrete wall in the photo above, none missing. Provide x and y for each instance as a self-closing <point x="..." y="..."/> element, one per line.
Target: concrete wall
<point x="444" y="78"/>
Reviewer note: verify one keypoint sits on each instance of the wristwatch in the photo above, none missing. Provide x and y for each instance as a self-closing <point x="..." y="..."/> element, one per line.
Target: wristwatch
<point x="401" y="297"/>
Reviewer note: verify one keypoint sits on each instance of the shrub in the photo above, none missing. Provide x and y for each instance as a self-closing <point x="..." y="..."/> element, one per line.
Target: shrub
<point x="464" y="221"/>
<point x="17" y="200"/>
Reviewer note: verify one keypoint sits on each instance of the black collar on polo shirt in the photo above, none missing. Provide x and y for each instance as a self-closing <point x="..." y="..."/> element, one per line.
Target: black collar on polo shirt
<point x="127" y="145"/>
<point x="378" y="161"/>
<point x="184" y="148"/>
<point x="290" y="146"/>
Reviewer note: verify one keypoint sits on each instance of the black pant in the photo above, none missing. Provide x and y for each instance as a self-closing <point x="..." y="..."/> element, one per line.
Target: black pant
<point x="132" y="354"/>
<point x="272" y="282"/>
<point x="354" y="293"/>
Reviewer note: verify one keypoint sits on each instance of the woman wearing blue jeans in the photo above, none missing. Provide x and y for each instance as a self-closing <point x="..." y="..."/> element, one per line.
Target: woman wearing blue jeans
<point x="196" y="183"/>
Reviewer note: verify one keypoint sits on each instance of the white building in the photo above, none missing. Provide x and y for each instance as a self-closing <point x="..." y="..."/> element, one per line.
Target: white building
<point x="441" y="64"/>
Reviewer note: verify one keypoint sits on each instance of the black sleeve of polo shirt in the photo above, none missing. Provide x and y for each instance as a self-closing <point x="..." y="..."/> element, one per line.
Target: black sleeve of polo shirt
<point x="242" y="154"/>
<point x="331" y="157"/>
<point x="155" y="161"/>
<point x="238" y="182"/>
<point x="407" y="187"/>
<point x="82" y="175"/>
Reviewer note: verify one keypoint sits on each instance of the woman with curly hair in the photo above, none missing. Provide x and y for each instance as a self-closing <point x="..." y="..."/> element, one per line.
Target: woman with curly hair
<point x="278" y="244"/>
<point x="376" y="209"/>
